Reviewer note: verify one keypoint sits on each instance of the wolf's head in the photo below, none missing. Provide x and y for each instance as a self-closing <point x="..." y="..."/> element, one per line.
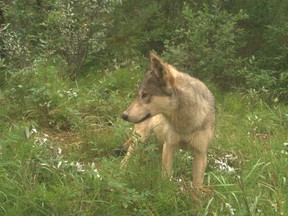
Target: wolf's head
<point x="154" y="94"/>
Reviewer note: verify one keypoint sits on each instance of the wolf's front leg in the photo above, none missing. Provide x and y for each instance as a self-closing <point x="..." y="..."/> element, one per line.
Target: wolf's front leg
<point x="199" y="166"/>
<point x="168" y="158"/>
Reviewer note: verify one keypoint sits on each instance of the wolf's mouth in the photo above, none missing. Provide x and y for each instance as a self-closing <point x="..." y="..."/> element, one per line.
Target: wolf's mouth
<point x="145" y="118"/>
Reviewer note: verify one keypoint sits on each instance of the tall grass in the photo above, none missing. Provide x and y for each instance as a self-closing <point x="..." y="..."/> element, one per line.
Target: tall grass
<point x="58" y="141"/>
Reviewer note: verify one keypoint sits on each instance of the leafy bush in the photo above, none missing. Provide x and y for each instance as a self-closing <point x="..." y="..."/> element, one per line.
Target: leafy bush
<point x="206" y="44"/>
<point x="21" y="32"/>
<point x="77" y="29"/>
<point x="140" y="26"/>
<point x="273" y="57"/>
<point x="266" y="48"/>
<point x="70" y="29"/>
<point x="37" y="93"/>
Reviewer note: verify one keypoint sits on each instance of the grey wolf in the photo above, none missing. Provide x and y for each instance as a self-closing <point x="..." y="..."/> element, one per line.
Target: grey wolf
<point x="179" y="110"/>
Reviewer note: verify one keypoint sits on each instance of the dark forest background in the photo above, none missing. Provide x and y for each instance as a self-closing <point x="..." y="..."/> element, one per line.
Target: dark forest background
<point x="239" y="44"/>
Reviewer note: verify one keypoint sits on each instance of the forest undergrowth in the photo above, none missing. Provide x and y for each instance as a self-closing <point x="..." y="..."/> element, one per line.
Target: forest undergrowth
<point x="59" y="141"/>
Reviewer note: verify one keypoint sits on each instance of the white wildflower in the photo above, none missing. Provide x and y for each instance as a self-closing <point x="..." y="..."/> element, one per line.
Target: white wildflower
<point x="33" y="130"/>
<point x="97" y="174"/>
<point x="285" y="150"/>
<point x="70" y="93"/>
<point x="95" y="170"/>
<point x="39" y="140"/>
<point x="230" y="208"/>
<point x="93" y="165"/>
<point x="80" y="167"/>
<point x="59" y="151"/>
<point x="59" y="164"/>
<point x="223" y="166"/>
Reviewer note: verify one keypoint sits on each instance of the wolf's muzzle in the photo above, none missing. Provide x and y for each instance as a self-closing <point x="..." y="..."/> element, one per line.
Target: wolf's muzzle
<point x="126" y="118"/>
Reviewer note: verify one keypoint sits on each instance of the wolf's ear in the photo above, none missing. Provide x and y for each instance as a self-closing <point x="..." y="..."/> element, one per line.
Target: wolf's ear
<point x="160" y="70"/>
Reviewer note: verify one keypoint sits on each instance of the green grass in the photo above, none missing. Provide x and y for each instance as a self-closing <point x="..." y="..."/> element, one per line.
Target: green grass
<point x="58" y="141"/>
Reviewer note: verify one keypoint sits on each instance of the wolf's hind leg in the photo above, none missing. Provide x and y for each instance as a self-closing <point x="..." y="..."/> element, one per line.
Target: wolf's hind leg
<point x="132" y="146"/>
<point x="140" y="134"/>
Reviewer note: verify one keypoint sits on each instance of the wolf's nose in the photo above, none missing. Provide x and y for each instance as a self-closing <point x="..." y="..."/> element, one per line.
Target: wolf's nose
<point x="124" y="116"/>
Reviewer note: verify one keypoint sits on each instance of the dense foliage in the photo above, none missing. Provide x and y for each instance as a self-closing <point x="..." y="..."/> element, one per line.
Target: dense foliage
<point x="239" y="44"/>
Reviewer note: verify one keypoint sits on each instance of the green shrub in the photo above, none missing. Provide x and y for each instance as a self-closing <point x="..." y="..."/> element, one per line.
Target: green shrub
<point x="267" y="84"/>
<point x="140" y="26"/>
<point x="72" y="30"/>
<point x="76" y="29"/>
<point x="21" y="32"/>
<point x="38" y="93"/>
<point x="206" y="44"/>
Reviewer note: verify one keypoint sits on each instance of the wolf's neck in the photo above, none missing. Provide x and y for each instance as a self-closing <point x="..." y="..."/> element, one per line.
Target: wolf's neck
<point x="189" y="116"/>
